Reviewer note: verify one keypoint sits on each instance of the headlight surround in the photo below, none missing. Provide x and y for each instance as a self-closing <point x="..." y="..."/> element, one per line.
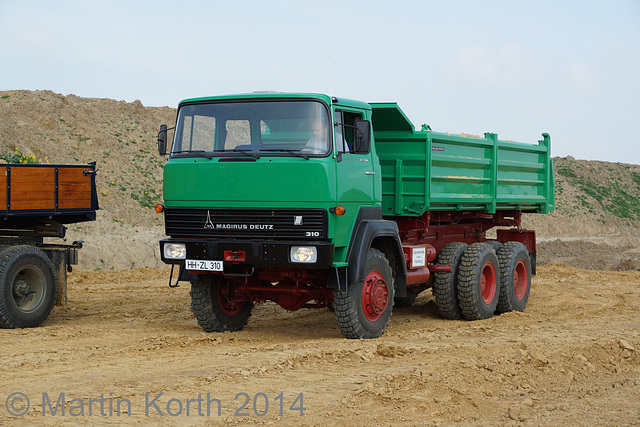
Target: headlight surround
<point x="175" y="251"/>
<point x="306" y="254"/>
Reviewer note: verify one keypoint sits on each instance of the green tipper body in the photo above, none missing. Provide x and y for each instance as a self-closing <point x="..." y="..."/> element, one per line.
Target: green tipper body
<point x="425" y="170"/>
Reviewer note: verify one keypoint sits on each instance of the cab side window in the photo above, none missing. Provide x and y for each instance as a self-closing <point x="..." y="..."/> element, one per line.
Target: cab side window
<point x="345" y="129"/>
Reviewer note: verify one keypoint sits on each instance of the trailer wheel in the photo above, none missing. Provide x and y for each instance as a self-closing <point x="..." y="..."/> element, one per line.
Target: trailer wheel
<point x="365" y="309"/>
<point x="478" y="280"/>
<point x="27" y="287"/>
<point x="213" y="306"/>
<point x="515" y="277"/>
<point x="407" y="301"/>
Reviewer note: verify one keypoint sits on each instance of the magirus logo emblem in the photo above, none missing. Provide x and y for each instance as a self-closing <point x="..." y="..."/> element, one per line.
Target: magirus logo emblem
<point x="208" y="224"/>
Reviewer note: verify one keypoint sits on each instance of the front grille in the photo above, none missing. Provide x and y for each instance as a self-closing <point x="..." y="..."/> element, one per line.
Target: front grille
<point x="293" y="224"/>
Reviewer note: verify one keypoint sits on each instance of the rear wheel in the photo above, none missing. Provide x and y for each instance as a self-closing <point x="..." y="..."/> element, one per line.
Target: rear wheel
<point x="515" y="277"/>
<point x="27" y="287"/>
<point x="215" y="305"/>
<point x="445" y="285"/>
<point x="365" y="309"/>
<point x="478" y="282"/>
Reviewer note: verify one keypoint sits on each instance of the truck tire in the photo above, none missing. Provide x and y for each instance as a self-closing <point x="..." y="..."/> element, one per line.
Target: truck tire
<point x="407" y="301"/>
<point x="494" y="244"/>
<point x="515" y="277"/>
<point x="365" y="309"/>
<point x="445" y="285"/>
<point x="212" y="307"/>
<point x="27" y="287"/>
<point x="478" y="282"/>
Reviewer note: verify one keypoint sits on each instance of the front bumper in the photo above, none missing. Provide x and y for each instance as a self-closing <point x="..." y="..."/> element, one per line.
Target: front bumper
<point x="258" y="253"/>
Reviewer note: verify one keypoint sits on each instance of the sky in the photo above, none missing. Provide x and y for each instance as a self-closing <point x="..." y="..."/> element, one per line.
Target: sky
<point x="517" y="68"/>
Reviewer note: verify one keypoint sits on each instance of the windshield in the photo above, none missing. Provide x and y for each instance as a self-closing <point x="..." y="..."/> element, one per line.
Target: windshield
<point x="253" y="128"/>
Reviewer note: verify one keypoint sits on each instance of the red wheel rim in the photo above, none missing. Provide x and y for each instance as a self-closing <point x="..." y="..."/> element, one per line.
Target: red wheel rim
<point x="520" y="279"/>
<point x="375" y="296"/>
<point x="228" y="305"/>
<point x="488" y="283"/>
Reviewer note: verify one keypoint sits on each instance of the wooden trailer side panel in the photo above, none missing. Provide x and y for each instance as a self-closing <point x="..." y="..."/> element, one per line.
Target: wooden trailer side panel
<point x="74" y="189"/>
<point x="47" y="189"/>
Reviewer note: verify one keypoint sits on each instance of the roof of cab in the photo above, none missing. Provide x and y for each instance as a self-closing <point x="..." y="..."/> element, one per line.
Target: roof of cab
<point x="282" y="95"/>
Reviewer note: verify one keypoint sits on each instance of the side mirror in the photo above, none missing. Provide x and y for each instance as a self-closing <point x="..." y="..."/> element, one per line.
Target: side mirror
<point x="362" y="143"/>
<point x="162" y="140"/>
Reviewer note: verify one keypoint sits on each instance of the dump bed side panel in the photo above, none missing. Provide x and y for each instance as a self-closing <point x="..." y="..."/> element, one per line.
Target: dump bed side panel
<point x="425" y="170"/>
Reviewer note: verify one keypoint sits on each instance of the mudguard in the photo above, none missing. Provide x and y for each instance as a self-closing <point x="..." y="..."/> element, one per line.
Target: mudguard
<point x="368" y="227"/>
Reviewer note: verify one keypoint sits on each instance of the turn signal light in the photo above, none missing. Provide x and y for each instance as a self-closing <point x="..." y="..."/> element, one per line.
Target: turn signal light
<point x="338" y="210"/>
<point x="159" y="207"/>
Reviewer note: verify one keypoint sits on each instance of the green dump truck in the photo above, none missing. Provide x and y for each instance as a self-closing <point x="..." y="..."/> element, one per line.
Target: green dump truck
<point x="315" y="201"/>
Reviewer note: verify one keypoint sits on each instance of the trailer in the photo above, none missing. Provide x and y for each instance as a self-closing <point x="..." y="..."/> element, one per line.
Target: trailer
<point x="38" y="202"/>
<point x="314" y="201"/>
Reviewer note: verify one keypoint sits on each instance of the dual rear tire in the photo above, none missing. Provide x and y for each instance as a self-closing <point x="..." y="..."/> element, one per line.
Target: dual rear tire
<point x="515" y="277"/>
<point x="485" y="278"/>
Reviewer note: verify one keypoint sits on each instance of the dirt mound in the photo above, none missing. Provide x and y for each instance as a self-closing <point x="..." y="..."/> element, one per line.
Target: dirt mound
<point x="589" y="254"/>
<point x="121" y="137"/>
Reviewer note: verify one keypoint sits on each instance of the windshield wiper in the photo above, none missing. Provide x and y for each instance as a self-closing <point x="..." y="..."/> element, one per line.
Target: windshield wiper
<point x="289" y="150"/>
<point x="197" y="153"/>
<point x="246" y="152"/>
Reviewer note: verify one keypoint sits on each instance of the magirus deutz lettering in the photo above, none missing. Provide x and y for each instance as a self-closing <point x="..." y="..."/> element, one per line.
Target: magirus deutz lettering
<point x="244" y="227"/>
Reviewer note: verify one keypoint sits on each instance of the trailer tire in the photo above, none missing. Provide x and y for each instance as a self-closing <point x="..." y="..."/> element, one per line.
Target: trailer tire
<point x="445" y="285"/>
<point x="515" y="277"/>
<point x="478" y="282"/>
<point x="213" y="309"/>
<point x="364" y="311"/>
<point x="27" y="287"/>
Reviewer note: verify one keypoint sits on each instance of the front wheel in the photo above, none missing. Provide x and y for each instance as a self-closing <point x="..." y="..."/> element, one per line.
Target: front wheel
<point x="216" y="306"/>
<point x="27" y="287"/>
<point x="365" y="309"/>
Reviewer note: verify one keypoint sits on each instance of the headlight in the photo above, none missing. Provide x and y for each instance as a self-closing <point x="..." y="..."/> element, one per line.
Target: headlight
<point x="175" y="251"/>
<point x="304" y="254"/>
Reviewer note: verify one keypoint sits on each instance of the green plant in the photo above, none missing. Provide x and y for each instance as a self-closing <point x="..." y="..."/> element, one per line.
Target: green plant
<point x="17" y="157"/>
<point x="147" y="199"/>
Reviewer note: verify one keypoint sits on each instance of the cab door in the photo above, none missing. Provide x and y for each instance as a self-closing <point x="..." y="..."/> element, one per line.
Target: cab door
<point x="355" y="170"/>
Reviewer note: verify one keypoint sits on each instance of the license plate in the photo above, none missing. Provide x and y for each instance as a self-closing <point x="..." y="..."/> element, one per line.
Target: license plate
<point x="203" y="265"/>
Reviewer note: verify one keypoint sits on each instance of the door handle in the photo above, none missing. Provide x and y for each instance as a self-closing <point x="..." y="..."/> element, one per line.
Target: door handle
<point x="369" y="173"/>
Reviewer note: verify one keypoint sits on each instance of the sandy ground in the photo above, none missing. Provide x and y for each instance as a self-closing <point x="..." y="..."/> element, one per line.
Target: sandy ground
<point x="573" y="357"/>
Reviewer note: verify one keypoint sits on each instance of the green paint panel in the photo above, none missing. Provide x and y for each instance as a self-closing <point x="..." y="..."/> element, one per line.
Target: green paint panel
<point x="425" y="170"/>
<point x="265" y="182"/>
